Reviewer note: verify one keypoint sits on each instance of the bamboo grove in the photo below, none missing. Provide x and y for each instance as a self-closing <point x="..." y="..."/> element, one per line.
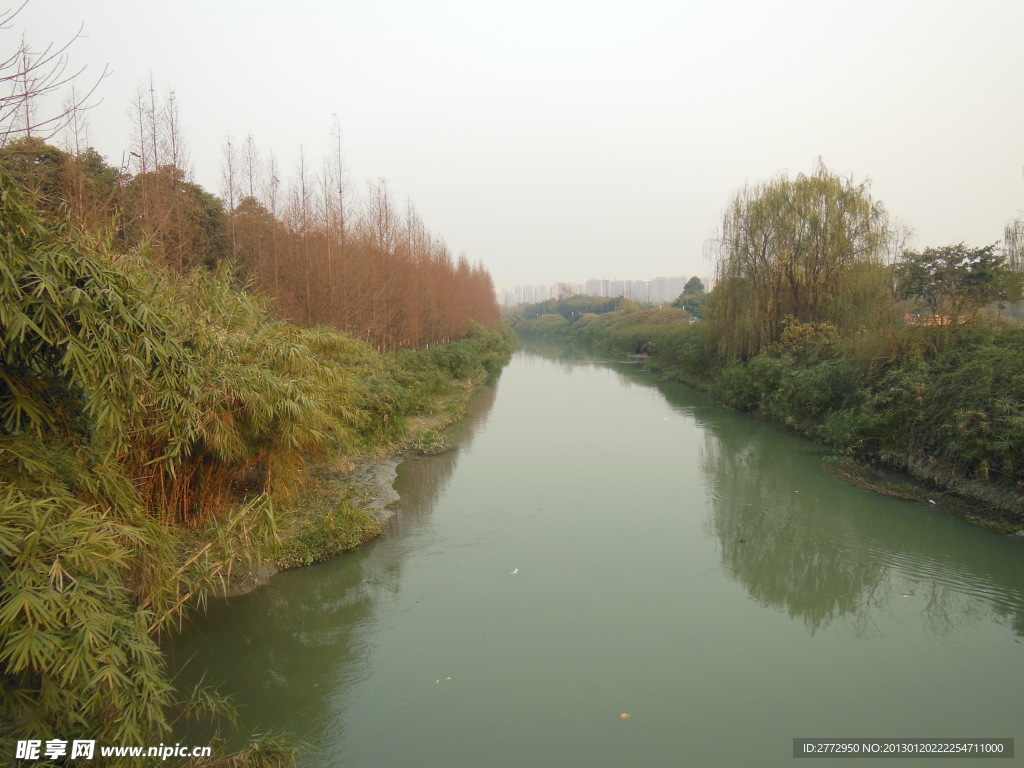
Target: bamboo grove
<point x="174" y="368"/>
<point x="155" y="429"/>
<point x="369" y="267"/>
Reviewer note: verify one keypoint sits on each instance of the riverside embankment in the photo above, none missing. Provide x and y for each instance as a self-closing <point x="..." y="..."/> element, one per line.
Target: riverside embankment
<point x="348" y="500"/>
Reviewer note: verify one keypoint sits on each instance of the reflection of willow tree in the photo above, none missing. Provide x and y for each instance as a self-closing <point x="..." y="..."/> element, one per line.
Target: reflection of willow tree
<point x="289" y="647"/>
<point x="822" y="554"/>
<point x="773" y="543"/>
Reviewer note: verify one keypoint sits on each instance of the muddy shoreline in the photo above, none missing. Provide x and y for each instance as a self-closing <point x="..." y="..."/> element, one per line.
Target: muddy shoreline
<point x="371" y="483"/>
<point x="366" y="483"/>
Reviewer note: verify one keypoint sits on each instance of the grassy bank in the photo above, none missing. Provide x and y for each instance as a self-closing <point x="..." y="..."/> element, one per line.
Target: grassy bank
<point x="339" y="506"/>
<point x="942" y="405"/>
<point x="159" y="431"/>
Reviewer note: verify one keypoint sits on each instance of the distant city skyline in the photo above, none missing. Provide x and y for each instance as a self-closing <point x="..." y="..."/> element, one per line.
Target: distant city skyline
<point x="654" y="290"/>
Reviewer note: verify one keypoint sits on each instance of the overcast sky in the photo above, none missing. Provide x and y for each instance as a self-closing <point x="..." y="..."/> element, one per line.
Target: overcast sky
<point x="557" y="140"/>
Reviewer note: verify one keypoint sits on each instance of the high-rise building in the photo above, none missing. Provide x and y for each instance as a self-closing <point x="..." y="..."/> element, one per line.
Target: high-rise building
<point x="532" y="294"/>
<point x="666" y="289"/>
<point x="564" y="290"/>
<point x="640" y="290"/>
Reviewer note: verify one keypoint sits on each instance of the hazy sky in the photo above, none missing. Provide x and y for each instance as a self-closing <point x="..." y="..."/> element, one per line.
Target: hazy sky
<point x="558" y="140"/>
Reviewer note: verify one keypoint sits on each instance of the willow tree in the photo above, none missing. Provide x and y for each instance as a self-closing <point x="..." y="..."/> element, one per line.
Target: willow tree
<point x="812" y="248"/>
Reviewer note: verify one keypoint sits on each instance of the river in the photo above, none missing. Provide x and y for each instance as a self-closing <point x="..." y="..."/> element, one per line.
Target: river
<point x="602" y="543"/>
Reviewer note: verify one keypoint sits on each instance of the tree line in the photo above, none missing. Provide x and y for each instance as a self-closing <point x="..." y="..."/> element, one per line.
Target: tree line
<point x="368" y="266"/>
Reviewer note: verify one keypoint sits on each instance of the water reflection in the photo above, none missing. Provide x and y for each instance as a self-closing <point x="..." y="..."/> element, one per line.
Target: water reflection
<point x="422" y="480"/>
<point x="801" y="541"/>
<point x="566" y="354"/>
<point x="280" y="651"/>
<point x="791" y="547"/>
<point x="285" y="653"/>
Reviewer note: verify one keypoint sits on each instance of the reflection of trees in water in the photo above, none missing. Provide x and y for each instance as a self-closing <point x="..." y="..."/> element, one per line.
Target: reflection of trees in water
<point x="762" y="523"/>
<point x="1013" y="613"/>
<point x="819" y="553"/>
<point x="566" y="354"/>
<point x="271" y="651"/>
<point x="422" y="479"/>
<point x="822" y="553"/>
<point x="947" y="609"/>
<point x="283" y="652"/>
<point x="771" y="547"/>
<point x="549" y="351"/>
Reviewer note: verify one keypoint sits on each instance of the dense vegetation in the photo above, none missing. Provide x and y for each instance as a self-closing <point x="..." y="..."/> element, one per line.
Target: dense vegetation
<point x="818" y="322"/>
<point x="136" y="403"/>
<point x="178" y="373"/>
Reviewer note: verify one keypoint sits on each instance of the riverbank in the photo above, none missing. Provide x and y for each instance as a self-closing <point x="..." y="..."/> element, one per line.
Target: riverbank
<point x="943" y="407"/>
<point x="160" y="427"/>
<point x="347" y="501"/>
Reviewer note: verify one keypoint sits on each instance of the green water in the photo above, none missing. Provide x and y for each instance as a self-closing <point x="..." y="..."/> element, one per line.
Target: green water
<point x="603" y="543"/>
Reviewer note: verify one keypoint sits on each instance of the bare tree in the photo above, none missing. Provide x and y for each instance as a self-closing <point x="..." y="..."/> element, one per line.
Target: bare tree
<point x="152" y="117"/>
<point x="28" y="75"/>
<point x="176" y="145"/>
<point x="76" y="137"/>
<point x="326" y="186"/>
<point x="302" y="207"/>
<point x="229" y="185"/>
<point x="339" y="225"/>
<point x="273" y="185"/>
<point x="251" y="165"/>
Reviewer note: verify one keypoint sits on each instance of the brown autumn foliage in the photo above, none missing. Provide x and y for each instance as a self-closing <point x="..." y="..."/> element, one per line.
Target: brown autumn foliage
<point x="383" y="277"/>
<point x="366" y="267"/>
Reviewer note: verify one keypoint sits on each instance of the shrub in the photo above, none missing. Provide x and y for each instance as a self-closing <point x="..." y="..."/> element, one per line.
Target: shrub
<point x="746" y="386"/>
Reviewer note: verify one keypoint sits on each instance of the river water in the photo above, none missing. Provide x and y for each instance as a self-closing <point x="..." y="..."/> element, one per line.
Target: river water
<point x="602" y="543"/>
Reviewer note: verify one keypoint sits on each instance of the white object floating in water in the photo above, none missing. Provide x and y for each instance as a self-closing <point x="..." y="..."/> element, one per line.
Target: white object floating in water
<point x="931" y="501"/>
<point x="515" y="572"/>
